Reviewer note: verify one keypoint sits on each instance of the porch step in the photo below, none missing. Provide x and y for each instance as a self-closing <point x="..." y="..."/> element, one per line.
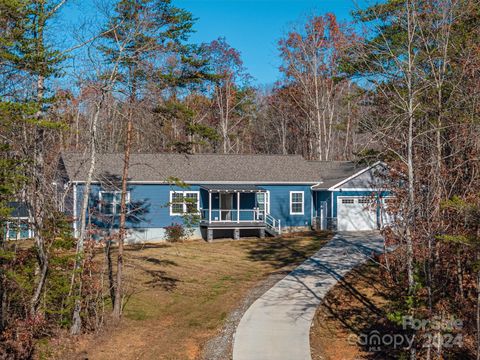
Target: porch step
<point x="272" y="226"/>
<point x="271" y="231"/>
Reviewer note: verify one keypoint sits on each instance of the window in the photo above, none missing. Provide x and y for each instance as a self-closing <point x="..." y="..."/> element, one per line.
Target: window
<point x="348" y="201"/>
<point x="192" y="205"/>
<point x="364" y="201"/>
<point x="184" y="202"/>
<point x="110" y="202"/>
<point x="19" y="229"/>
<point x="263" y="201"/>
<point x="296" y="202"/>
<point x="176" y="203"/>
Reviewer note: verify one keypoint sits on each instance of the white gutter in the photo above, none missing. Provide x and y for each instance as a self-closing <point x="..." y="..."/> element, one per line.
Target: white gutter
<point x="214" y="182"/>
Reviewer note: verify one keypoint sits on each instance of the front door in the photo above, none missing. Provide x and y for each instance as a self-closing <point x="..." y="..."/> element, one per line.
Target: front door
<point x="226" y="206"/>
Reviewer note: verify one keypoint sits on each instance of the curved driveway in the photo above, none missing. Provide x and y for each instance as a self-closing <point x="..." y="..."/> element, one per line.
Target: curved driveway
<point x="277" y="325"/>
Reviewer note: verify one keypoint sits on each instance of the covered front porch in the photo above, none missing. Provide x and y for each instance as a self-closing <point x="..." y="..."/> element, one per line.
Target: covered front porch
<point x="236" y="208"/>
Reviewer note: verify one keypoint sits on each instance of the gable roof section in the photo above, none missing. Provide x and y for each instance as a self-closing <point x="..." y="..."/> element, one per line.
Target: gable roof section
<point x="333" y="172"/>
<point x="198" y="168"/>
<point x="343" y="173"/>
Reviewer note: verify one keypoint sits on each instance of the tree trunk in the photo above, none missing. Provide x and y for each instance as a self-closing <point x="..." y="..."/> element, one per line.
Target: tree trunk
<point x="478" y="314"/>
<point x="38" y="198"/>
<point x="117" y="306"/>
<point x="410" y="160"/>
<point x="478" y="306"/>
<point x="76" y="318"/>
<point x="3" y="290"/>
<point x="108" y="259"/>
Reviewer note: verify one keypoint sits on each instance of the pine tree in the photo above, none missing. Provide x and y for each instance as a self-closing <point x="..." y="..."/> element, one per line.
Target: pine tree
<point x="25" y="51"/>
<point x="149" y="32"/>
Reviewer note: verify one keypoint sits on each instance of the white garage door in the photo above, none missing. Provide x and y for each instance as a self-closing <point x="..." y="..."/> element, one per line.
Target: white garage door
<point x="355" y="214"/>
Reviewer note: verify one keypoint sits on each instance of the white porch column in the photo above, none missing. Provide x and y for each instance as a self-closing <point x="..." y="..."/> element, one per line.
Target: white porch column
<point x="209" y="206"/>
<point x="264" y="208"/>
<point x="238" y="207"/>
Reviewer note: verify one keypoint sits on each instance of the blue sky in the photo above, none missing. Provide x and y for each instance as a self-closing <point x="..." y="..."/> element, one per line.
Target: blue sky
<point x="251" y="26"/>
<point x="254" y="26"/>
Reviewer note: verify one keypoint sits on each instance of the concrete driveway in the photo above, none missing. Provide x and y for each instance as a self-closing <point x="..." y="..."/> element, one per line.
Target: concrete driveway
<point x="277" y="325"/>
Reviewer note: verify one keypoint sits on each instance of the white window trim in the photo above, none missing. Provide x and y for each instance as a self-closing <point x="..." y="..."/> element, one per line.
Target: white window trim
<point x="184" y="203"/>
<point x="115" y="192"/>
<point x="303" y="203"/>
<point x="267" y="198"/>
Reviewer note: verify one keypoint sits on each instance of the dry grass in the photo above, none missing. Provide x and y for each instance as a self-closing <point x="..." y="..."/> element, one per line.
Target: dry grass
<point x="357" y="304"/>
<point x="179" y="296"/>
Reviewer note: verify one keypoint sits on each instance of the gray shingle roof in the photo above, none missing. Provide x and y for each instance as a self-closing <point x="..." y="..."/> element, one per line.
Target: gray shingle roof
<point x="206" y="168"/>
<point x="332" y="172"/>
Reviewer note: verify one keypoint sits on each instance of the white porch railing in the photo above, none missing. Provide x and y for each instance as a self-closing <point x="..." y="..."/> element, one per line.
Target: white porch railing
<point x="273" y="224"/>
<point x="241" y="216"/>
<point x="231" y="215"/>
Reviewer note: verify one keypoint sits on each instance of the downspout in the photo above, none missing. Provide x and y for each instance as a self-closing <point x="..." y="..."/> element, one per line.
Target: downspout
<point x="314" y="203"/>
<point x="209" y="206"/>
<point x="311" y="208"/>
<point x="75" y="234"/>
<point x="331" y="205"/>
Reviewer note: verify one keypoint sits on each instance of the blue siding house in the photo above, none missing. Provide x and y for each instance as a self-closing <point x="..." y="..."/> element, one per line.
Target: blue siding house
<point x="234" y="195"/>
<point x="19" y="225"/>
<point x="351" y="197"/>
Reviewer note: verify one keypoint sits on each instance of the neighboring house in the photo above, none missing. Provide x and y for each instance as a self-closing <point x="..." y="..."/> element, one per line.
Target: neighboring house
<point x="19" y="224"/>
<point x="234" y="195"/>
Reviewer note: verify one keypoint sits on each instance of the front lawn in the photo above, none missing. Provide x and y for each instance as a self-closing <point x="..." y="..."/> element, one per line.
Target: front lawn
<point x="180" y="296"/>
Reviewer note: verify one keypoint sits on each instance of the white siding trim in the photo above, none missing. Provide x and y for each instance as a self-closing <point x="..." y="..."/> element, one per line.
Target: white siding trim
<point x="184" y="203"/>
<point x="267" y="199"/>
<point x="268" y="202"/>
<point x="303" y="203"/>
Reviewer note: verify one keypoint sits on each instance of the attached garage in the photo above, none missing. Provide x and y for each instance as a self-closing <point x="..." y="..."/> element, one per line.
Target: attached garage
<point x="355" y="213"/>
<point x="344" y="200"/>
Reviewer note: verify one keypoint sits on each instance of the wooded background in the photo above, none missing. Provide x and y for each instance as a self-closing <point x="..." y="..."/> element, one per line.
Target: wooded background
<point x="399" y="84"/>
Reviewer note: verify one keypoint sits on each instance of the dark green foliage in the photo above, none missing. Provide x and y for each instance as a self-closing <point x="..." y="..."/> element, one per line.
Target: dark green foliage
<point x="28" y="63"/>
<point x="144" y="37"/>
<point x="189" y="68"/>
<point x="19" y="268"/>
<point x="23" y="45"/>
<point x="203" y="131"/>
<point x="175" y="110"/>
